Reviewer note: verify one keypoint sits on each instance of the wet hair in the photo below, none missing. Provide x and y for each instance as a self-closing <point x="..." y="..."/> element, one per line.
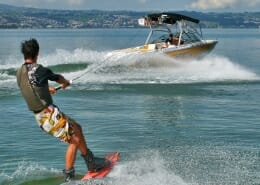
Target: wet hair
<point x="171" y="35"/>
<point x="30" y="49"/>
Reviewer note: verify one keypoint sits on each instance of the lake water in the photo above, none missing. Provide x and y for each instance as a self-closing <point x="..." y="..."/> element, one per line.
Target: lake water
<point x="194" y="122"/>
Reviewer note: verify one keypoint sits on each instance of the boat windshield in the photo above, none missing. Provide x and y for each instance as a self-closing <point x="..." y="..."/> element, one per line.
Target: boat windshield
<point x="188" y="32"/>
<point x="191" y="32"/>
<point x="158" y="36"/>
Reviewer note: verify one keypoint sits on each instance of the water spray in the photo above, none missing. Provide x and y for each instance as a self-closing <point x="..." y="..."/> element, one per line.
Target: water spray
<point x="92" y="68"/>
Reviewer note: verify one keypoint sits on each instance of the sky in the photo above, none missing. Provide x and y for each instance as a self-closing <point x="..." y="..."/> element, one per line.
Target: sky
<point x="142" y="5"/>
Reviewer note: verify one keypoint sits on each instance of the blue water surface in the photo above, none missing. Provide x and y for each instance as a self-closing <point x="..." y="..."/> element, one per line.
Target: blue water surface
<point x="174" y="122"/>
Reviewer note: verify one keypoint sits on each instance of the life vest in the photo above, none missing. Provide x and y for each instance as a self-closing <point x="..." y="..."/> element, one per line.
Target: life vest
<point x="36" y="97"/>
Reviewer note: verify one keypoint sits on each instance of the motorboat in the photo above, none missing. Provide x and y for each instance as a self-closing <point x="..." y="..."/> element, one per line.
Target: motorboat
<point x="187" y="39"/>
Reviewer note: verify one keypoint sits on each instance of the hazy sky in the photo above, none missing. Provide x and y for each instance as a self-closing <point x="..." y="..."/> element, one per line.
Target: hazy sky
<point x="140" y="5"/>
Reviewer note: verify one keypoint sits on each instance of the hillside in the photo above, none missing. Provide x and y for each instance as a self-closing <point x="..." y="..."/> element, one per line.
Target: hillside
<point x="19" y="17"/>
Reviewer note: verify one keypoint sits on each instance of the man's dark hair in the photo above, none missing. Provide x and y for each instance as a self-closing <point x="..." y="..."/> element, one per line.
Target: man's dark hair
<point x="30" y="49"/>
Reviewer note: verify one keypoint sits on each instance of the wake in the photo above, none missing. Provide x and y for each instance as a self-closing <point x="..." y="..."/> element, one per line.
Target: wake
<point x="125" y="68"/>
<point x="116" y="67"/>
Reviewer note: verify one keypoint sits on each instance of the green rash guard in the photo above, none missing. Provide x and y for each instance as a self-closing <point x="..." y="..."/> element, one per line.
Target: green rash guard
<point x="33" y="82"/>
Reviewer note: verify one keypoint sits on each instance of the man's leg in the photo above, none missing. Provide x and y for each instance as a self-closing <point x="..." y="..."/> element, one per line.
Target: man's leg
<point x="78" y="138"/>
<point x="69" y="162"/>
<point x="70" y="157"/>
<point x="77" y="141"/>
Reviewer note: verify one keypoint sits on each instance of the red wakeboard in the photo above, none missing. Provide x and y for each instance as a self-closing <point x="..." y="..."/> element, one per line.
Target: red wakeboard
<point x="112" y="158"/>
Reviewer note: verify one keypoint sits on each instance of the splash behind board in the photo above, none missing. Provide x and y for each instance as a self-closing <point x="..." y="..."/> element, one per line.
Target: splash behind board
<point x="113" y="158"/>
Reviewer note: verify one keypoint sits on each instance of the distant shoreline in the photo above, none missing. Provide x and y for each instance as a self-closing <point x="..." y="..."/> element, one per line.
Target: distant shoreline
<point x="115" y="28"/>
<point x="12" y="17"/>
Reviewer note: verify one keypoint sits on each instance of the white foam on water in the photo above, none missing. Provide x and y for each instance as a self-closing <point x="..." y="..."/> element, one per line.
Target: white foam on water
<point x="137" y="68"/>
<point x="61" y="56"/>
<point x="118" y="67"/>
<point x="28" y="170"/>
<point x="146" y="170"/>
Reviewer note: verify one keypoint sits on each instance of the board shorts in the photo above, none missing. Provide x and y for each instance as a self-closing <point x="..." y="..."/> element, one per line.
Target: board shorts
<point x="55" y="123"/>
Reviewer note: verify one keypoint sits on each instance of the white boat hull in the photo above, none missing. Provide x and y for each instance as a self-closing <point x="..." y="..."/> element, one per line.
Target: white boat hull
<point x="184" y="51"/>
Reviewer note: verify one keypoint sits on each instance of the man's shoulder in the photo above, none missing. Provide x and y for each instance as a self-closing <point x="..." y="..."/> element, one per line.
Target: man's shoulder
<point x="41" y="68"/>
<point x="47" y="72"/>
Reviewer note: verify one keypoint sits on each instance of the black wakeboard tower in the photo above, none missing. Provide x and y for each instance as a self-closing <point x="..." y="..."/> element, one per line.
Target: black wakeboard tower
<point x="166" y="18"/>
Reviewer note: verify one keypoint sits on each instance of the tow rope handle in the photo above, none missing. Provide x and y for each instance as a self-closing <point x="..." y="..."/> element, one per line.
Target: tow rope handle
<point x="59" y="87"/>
